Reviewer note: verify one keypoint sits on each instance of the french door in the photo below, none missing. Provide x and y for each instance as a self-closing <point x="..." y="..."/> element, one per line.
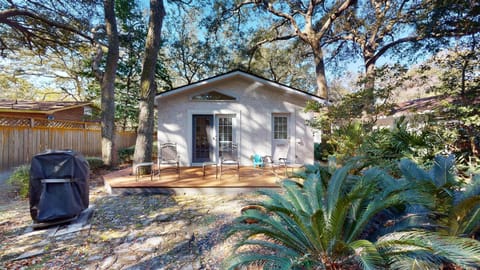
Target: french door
<point x="204" y="142"/>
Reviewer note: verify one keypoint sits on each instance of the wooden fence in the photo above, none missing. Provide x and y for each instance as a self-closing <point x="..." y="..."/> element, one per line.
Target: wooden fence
<point x="21" y="138"/>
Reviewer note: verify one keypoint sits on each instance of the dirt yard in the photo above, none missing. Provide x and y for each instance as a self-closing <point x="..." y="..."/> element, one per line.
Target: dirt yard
<point x="125" y="232"/>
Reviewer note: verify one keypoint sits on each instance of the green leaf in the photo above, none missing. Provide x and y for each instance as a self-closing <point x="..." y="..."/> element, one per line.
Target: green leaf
<point x="367" y="253"/>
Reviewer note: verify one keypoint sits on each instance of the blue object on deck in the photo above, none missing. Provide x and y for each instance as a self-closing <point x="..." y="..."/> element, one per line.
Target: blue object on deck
<point x="257" y="161"/>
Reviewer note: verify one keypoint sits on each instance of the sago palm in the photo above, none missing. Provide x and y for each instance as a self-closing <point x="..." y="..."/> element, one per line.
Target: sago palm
<point x="456" y="211"/>
<point x="317" y="223"/>
<point x="324" y="224"/>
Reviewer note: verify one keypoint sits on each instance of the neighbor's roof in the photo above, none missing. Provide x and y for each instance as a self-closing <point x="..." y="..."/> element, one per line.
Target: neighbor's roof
<point x="240" y="73"/>
<point x="427" y="104"/>
<point x="419" y="105"/>
<point x="44" y="107"/>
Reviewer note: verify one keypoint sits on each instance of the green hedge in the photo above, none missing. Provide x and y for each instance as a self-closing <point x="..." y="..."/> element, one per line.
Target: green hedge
<point x="125" y="155"/>
<point x="19" y="180"/>
<point x="322" y="151"/>
<point x="95" y="163"/>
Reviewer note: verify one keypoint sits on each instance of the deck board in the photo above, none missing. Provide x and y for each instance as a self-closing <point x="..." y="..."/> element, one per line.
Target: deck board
<point x="192" y="177"/>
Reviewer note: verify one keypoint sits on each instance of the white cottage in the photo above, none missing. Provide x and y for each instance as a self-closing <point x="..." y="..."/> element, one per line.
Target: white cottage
<point x="236" y="107"/>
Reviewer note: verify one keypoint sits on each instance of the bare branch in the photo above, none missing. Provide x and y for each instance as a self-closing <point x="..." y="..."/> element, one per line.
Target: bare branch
<point x="327" y="24"/>
<point x="386" y="47"/>
<point x="287" y="37"/>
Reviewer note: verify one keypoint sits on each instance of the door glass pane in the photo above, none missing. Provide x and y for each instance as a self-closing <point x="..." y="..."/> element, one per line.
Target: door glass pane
<point x="225" y="133"/>
<point x="280" y="127"/>
<point x="202" y="125"/>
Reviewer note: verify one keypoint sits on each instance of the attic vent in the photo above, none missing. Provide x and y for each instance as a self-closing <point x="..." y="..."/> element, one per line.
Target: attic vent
<point x="213" y="95"/>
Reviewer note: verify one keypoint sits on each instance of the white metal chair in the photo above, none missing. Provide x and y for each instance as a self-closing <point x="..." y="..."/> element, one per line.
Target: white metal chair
<point x="168" y="157"/>
<point x="229" y="157"/>
<point x="279" y="159"/>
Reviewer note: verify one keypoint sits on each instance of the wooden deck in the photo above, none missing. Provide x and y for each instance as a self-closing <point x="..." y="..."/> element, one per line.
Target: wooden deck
<point x="192" y="180"/>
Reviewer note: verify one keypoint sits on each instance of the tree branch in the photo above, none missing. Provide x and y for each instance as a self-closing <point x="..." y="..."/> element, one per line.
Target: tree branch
<point x="326" y="25"/>
<point x="386" y="47"/>
<point x="14" y="12"/>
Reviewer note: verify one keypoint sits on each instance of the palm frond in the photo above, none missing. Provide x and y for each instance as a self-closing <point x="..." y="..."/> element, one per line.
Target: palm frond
<point x="272" y="247"/>
<point x="254" y="258"/>
<point x="412" y="172"/>
<point x="368" y="255"/>
<point x="334" y="189"/>
<point x="271" y="226"/>
<point x="432" y="246"/>
<point x="461" y="213"/>
<point x="275" y="200"/>
<point x="441" y="172"/>
<point x="404" y="261"/>
<point x="461" y="251"/>
<point x="471" y="227"/>
<point x="301" y="228"/>
<point x="319" y="228"/>
<point x="315" y="191"/>
<point x="468" y="190"/>
<point x="294" y="194"/>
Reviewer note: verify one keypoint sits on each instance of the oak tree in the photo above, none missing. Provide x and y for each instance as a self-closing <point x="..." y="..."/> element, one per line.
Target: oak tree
<point x="148" y="86"/>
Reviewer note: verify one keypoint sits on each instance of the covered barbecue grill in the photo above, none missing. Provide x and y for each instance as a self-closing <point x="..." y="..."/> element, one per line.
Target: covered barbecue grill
<point x="58" y="186"/>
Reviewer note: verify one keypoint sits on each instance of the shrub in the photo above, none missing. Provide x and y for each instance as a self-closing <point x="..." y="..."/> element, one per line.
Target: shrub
<point x="346" y="140"/>
<point x="126" y="154"/>
<point x="385" y="147"/>
<point x="95" y="163"/>
<point x="19" y="180"/>
<point x="322" y="151"/>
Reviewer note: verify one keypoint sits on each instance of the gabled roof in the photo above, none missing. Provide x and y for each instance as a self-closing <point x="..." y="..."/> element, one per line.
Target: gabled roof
<point x="43" y="107"/>
<point x="247" y="75"/>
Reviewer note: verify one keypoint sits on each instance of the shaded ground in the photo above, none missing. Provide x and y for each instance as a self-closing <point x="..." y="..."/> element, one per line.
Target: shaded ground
<point x="125" y="232"/>
<point x="4" y="188"/>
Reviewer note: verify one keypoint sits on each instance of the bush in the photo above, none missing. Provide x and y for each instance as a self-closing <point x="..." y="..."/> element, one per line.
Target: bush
<point x="19" y="180"/>
<point x="322" y="151"/>
<point x="95" y="163"/>
<point x="126" y="154"/>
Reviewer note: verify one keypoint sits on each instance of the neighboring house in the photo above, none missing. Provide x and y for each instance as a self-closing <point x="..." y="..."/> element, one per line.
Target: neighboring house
<point x="419" y="111"/>
<point x="416" y="110"/>
<point x="235" y="107"/>
<point x="52" y="110"/>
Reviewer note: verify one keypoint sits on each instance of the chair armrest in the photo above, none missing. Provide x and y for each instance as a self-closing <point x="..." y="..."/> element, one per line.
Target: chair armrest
<point x="283" y="160"/>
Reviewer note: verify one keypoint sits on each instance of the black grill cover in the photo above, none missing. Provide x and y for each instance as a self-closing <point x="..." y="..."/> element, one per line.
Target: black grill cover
<point x="58" y="185"/>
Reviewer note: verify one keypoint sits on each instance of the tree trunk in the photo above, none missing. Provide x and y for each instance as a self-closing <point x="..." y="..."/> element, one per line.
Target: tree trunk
<point x="322" y="88"/>
<point x="148" y="87"/>
<point x="369" y="86"/>
<point x="109" y="156"/>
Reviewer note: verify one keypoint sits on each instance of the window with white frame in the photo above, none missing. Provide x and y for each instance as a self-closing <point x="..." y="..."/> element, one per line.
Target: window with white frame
<point x="225" y="129"/>
<point x="280" y="127"/>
